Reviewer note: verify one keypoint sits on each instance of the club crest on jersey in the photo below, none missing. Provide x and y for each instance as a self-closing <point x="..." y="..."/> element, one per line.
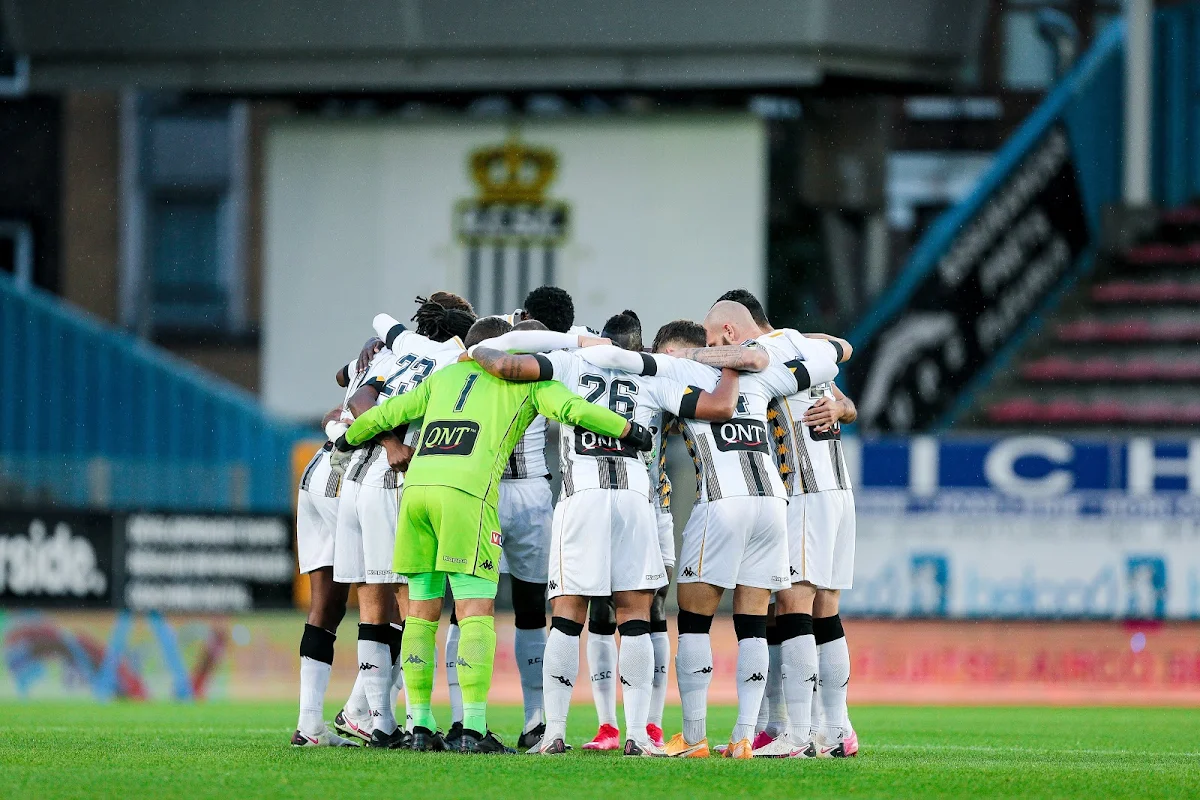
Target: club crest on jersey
<point x="449" y="438"/>
<point x="593" y="444"/>
<point x="740" y="434"/>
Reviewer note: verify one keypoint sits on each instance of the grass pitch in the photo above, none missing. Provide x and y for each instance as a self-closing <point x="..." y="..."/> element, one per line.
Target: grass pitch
<point x="241" y="751"/>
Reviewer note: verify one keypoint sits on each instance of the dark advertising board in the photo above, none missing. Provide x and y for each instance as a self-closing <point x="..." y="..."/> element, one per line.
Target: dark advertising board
<point x="56" y="559"/>
<point x="146" y="561"/>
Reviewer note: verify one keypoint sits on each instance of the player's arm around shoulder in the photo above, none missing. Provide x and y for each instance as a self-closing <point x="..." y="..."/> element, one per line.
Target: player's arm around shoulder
<point x="559" y="403"/>
<point x="749" y="357"/>
<point x="510" y="366"/>
<point x="694" y="402"/>
<point x="391" y="414"/>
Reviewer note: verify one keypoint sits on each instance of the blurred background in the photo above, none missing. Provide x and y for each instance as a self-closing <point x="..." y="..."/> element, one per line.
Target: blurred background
<point x="202" y="206"/>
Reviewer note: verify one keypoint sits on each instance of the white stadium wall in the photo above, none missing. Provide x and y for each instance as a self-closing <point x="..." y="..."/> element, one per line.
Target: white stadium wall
<point x="663" y="215"/>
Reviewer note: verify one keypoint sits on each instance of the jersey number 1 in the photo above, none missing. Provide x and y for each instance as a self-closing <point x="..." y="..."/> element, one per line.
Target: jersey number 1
<point x="466" y="390"/>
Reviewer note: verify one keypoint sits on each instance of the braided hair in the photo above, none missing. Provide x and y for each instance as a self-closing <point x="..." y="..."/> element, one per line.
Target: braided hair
<point x="440" y="323"/>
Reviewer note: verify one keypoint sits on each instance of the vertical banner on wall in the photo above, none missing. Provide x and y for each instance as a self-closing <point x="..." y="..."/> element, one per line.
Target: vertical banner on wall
<point x="991" y="279"/>
<point x="511" y="229"/>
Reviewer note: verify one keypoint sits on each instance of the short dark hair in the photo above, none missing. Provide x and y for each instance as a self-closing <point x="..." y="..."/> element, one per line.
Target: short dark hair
<point x="486" y="328"/>
<point x="530" y="325"/>
<point x="681" y="331"/>
<point x="746" y="298"/>
<point x="441" y="323"/>
<point x="552" y="306"/>
<point x="625" y="330"/>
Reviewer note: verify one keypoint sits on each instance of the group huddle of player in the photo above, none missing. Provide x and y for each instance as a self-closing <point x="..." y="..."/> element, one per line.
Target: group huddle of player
<point x="434" y="475"/>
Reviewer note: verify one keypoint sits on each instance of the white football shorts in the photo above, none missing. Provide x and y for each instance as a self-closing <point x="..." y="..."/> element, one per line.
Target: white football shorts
<point x="604" y="541"/>
<point x="316" y="522"/>
<point x="666" y="536"/>
<point x="365" y="542"/>
<point x="526" y="508"/>
<point x="821" y="528"/>
<point x="736" y="541"/>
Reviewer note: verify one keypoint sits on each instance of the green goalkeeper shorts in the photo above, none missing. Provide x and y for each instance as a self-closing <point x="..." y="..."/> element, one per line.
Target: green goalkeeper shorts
<point x="443" y="529"/>
<point x="432" y="586"/>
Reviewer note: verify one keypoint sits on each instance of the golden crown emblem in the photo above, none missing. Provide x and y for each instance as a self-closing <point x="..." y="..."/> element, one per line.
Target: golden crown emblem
<point x="513" y="172"/>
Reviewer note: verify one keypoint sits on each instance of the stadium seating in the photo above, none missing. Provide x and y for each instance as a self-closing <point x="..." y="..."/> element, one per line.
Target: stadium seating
<point x="1123" y="353"/>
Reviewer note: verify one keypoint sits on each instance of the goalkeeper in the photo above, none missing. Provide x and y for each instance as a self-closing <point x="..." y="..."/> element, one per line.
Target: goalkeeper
<point x="449" y="526"/>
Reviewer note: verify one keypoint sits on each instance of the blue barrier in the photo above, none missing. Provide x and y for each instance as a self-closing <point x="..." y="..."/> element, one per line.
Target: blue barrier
<point x="90" y="416"/>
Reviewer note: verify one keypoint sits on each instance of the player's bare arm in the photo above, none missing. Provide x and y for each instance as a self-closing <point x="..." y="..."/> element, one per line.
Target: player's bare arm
<point x="720" y="404"/>
<point x="508" y="366"/>
<point x="743" y="359"/>
<point x="844" y="348"/>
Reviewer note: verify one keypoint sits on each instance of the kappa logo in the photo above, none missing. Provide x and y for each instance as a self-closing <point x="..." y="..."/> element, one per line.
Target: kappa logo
<point x="655" y="577"/>
<point x="758" y="676"/>
<point x="552" y="586"/>
<point x="813" y="680"/>
<point x="625" y="682"/>
<point x="497" y="539"/>
<point x="702" y="671"/>
<point x="462" y="662"/>
<point x="688" y="572"/>
<point x="562" y="680"/>
<point x="454" y="560"/>
<point x="487" y="565"/>
<point x="366" y="666"/>
<point x="413" y="658"/>
<point x="793" y="569"/>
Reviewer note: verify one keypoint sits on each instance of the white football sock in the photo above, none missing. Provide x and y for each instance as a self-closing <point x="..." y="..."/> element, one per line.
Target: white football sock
<point x="528" y="648"/>
<point x="662" y="662"/>
<point x="776" y="704"/>
<point x="314" y="680"/>
<point x="375" y="666"/>
<point x="602" y="664"/>
<point x="799" y="677"/>
<point x="833" y="674"/>
<point x="560" y="666"/>
<point x="693" y="674"/>
<point x="397" y="671"/>
<point x="752" y="666"/>
<point x="637" y="678"/>
<point x="456" y="701"/>
<point x="764" y="715"/>
<point x="356" y="704"/>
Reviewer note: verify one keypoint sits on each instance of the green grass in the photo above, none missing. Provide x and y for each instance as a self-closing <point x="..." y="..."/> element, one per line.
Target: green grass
<point x="241" y="751"/>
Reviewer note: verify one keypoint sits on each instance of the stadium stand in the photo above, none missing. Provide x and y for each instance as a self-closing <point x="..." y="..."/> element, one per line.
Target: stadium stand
<point x="1126" y="354"/>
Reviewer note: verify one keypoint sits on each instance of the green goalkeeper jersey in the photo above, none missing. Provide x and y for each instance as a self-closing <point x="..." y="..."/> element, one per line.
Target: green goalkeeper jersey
<point x="472" y="422"/>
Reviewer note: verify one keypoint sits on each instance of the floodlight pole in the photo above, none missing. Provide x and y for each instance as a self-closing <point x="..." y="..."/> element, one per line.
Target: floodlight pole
<point x="1139" y="52"/>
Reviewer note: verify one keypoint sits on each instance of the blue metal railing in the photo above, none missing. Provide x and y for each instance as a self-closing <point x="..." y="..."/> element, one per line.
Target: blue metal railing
<point x="90" y="416"/>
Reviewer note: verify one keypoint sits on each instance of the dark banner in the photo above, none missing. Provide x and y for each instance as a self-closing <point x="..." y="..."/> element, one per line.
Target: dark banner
<point x="195" y="562"/>
<point x="995" y="274"/>
<point x="56" y="559"/>
<point x="144" y="562"/>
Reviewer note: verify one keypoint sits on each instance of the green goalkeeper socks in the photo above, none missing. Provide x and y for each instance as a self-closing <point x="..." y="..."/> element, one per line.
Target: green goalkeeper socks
<point x="418" y="652"/>
<point x="476" y="657"/>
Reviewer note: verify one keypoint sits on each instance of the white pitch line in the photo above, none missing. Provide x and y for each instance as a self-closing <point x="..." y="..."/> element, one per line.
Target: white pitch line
<point x="984" y="748"/>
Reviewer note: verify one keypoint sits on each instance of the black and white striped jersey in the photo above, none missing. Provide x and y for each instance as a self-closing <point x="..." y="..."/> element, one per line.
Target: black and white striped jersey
<point x="660" y="482"/>
<point x="318" y="478"/>
<point x="807" y="461"/>
<point x="410" y="360"/>
<point x="733" y="458"/>
<point x="591" y="461"/>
